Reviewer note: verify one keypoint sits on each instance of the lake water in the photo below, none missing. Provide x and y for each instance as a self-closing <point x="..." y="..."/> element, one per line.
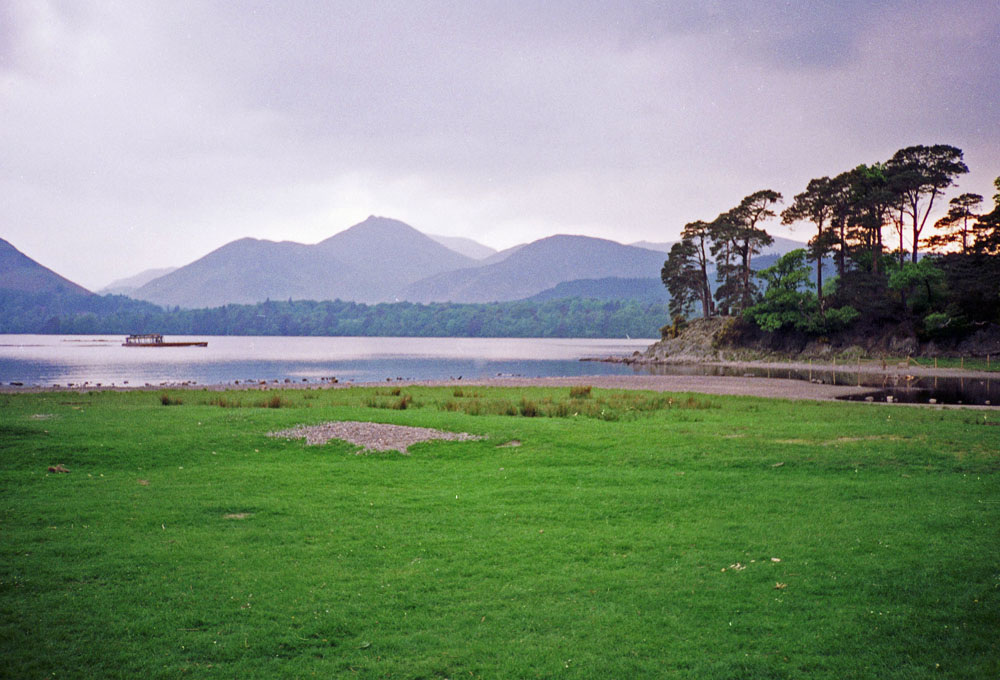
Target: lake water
<point x="45" y="360"/>
<point x="64" y="360"/>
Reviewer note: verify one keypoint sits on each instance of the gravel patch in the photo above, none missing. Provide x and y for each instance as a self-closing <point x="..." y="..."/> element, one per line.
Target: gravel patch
<point x="371" y="436"/>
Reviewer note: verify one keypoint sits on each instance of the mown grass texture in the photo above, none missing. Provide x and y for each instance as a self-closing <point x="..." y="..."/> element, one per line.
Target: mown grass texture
<point x="680" y="536"/>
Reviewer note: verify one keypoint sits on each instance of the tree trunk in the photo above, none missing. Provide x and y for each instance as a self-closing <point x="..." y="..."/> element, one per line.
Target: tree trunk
<point x="706" y="294"/>
<point x="745" y="294"/>
<point x="706" y="289"/>
<point x="819" y="279"/>
<point x="901" y="227"/>
<point x="876" y="240"/>
<point x="842" y="255"/>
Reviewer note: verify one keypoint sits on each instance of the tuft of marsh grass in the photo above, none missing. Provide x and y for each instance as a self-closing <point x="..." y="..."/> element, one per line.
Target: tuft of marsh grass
<point x="228" y="401"/>
<point x="528" y="409"/>
<point x="608" y="406"/>
<point x="401" y="404"/>
<point x="482" y="407"/>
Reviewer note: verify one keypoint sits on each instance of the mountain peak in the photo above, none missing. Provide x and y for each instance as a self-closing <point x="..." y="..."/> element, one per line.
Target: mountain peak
<point x="377" y="222"/>
<point x="400" y="252"/>
<point x="368" y="262"/>
<point x="373" y="228"/>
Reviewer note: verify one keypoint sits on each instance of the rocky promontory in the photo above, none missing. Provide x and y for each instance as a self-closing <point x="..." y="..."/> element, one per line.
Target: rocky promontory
<point x="731" y="339"/>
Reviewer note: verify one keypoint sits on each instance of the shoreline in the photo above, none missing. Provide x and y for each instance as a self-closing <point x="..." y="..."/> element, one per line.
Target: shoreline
<point x="776" y="388"/>
<point x="733" y="385"/>
<point x="868" y="367"/>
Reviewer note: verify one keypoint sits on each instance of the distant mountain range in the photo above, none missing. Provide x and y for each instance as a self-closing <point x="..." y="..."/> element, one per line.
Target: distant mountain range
<point x="610" y="288"/>
<point x="465" y="246"/>
<point x="384" y="260"/>
<point x="535" y="267"/>
<point x="130" y="284"/>
<point x="18" y="272"/>
<point x="370" y="262"/>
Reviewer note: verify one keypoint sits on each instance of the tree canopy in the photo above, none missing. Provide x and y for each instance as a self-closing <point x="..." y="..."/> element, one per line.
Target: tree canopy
<point x="944" y="283"/>
<point x="919" y="172"/>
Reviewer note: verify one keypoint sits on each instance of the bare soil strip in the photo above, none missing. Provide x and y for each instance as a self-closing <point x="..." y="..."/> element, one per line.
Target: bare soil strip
<point x="776" y="388"/>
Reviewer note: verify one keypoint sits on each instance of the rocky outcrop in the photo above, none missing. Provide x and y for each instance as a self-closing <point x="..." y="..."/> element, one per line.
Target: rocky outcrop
<point x="732" y="339"/>
<point x="700" y="340"/>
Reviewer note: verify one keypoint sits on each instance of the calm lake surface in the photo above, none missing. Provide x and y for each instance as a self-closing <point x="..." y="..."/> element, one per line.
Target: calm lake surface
<point x="45" y="360"/>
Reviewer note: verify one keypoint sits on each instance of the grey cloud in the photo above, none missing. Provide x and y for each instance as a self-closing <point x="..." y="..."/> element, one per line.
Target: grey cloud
<point x="223" y="119"/>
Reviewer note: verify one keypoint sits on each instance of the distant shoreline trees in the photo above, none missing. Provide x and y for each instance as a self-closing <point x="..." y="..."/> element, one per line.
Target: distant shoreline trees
<point x="115" y="314"/>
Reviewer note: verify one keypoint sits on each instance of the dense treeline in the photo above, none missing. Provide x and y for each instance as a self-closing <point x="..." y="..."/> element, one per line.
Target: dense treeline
<point x="939" y="285"/>
<point x="111" y="314"/>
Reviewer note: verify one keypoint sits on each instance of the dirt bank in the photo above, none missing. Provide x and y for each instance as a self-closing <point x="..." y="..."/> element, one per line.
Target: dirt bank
<point x="779" y="388"/>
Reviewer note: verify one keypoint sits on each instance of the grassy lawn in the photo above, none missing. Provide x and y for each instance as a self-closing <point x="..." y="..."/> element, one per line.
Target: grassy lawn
<point x="629" y="535"/>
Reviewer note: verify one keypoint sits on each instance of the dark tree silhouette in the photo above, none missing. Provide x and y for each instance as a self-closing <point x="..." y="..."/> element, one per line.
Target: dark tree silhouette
<point x="817" y="204"/>
<point x="958" y="225"/>
<point x="698" y="233"/>
<point x="871" y="199"/>
<point x="737" y="237"/>
<point x="840" y="199"/>
<point x="680" y="275"/>
<point x="919" y="172"/>
<point x="988" y="227"/>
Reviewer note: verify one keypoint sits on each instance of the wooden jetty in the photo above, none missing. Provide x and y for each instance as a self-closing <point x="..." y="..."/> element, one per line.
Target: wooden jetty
<point x="156" y="340"/>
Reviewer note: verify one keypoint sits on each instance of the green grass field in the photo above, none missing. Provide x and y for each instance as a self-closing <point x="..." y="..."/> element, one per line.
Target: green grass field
<point x="629" y="535"/>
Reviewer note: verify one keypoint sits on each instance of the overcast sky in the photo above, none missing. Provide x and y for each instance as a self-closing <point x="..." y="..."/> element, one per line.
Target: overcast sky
<point x="141" y="134"/>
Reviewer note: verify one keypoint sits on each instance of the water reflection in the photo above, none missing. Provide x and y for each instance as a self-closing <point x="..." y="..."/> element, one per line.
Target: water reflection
<point x="38" y="360"/>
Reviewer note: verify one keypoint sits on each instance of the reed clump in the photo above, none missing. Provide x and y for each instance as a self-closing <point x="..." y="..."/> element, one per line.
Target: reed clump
<point x="403" y="402"/>
<point x="581" y="402"/>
